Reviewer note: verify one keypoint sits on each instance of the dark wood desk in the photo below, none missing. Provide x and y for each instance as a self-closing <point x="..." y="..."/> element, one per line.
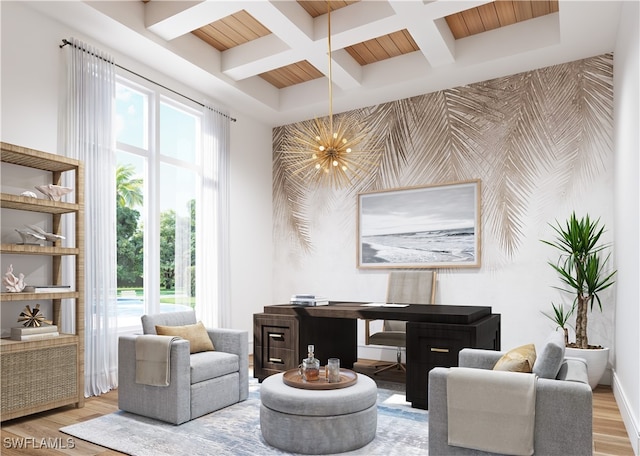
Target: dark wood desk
<point x="435" y="335"/>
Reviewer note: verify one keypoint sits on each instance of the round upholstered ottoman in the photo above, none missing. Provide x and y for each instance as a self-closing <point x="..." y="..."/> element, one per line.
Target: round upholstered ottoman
<point x="318" y="421"/>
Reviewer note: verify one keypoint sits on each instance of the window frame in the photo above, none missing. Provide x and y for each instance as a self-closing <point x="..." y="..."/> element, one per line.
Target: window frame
<point x="153" y="160"/>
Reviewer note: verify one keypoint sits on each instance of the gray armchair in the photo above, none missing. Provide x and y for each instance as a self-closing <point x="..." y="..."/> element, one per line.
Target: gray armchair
<point x="563" y="407"/>
<point x="199" y="383"/>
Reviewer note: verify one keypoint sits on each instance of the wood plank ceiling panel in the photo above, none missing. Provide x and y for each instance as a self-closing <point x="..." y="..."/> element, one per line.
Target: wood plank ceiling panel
<point x="289" y="75"/>
<point x="489" y="16"/>
<point x="383" y="47"/>
<point x="231" y="31"/>
<point x="317" y="8"/>
<point x="497" y="14"/>
<point x="523" y="11"/>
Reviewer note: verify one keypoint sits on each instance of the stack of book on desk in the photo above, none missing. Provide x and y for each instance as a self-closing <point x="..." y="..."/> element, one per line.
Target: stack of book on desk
<point x="34" y="332"/>
<point x="308" y="300"/>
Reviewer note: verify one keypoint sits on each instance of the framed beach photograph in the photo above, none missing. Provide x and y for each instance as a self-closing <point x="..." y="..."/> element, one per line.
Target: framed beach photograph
<point x="436" y="226"/>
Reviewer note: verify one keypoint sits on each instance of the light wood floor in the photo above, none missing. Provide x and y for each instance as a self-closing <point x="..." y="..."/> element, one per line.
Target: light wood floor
<point x="40" y="431"/>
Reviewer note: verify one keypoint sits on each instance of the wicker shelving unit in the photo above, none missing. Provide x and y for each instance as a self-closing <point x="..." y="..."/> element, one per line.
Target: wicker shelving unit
<point x="43" y="374"/>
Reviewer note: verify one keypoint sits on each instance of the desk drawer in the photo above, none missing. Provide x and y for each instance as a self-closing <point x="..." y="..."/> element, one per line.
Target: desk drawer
<point x="277" y="337"/>
<point x="441" y="347"/>
<point x="278" y="358"/>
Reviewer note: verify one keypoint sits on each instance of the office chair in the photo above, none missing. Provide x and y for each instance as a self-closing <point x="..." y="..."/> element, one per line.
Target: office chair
<point x="404" y="287"/>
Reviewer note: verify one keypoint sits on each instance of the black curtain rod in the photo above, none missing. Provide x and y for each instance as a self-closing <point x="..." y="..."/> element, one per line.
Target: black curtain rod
<point x="232" y="119"/>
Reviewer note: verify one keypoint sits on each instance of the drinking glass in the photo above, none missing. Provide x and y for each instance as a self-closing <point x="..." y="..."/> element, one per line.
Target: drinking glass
<point x="333" y="370"/>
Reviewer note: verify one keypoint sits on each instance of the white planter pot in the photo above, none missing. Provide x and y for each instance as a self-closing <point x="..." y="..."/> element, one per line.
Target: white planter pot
<point x="596" y="359"/>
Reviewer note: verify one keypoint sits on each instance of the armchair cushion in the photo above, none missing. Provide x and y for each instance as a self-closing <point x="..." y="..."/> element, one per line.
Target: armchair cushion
<point x="196" y="335"/>
<point x="212" y="364"/>
<point x="548" y="363"/>
<point x="519" y="359"/>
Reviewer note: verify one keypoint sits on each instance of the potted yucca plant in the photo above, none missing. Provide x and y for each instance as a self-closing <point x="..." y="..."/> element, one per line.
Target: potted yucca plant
<point x="582" y="267"/>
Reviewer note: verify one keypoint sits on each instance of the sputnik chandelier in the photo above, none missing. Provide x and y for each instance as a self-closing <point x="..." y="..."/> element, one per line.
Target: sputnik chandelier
<point x="325" y="151"/>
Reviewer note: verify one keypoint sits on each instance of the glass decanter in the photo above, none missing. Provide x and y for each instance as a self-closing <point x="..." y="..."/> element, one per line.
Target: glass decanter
<point x="310" y="367"/>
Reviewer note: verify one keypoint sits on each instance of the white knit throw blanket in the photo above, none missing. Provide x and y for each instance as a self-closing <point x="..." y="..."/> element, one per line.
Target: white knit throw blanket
<point x="153" y="359"/>
<point x="491" y="411"/>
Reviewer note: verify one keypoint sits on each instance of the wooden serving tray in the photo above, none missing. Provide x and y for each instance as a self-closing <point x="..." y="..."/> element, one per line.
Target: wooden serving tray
<point x="293" y="378"/>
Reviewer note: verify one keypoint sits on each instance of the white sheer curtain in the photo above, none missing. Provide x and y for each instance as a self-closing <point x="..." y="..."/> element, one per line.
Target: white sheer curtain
<point x="90" y="138"/>
<point x="212" y="223"/>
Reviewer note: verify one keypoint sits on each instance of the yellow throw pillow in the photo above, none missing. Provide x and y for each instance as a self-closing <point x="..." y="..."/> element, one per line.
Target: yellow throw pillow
<point x="520" y="359"/>
<point x="197" y="336"/>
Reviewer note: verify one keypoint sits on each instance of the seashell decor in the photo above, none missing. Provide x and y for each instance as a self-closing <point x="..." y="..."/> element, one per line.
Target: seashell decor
<point x="29" y="237"/>
<point x="53" y="192"/>
<point x="51" y="237"/>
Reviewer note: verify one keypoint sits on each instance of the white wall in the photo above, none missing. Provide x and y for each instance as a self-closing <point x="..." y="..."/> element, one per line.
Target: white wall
<point x="251" y="225"/>
<point x="626" y="382"/>
<point x="32" y="68"/>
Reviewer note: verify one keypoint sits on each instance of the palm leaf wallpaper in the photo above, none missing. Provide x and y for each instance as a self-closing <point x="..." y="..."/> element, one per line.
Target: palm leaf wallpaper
<point x="553" y="124"/>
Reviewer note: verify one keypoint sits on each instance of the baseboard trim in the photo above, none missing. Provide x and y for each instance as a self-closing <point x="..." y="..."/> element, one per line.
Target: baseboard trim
<point x="631" y="425"/>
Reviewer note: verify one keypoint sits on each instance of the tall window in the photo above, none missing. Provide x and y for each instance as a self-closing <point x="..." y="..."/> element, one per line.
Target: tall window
<point x="158" y="173"/>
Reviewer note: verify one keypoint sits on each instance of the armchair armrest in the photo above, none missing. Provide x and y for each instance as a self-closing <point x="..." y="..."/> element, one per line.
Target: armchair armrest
<point x="237" y="342"/>
<point x="167" y="403"/>
<point x="573" y="370"/>
<point x="478" y="358"/>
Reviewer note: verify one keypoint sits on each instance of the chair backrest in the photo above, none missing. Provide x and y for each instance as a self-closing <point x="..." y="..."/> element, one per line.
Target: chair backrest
<point x="149" y="322"/>
<point x="409" y="287"/>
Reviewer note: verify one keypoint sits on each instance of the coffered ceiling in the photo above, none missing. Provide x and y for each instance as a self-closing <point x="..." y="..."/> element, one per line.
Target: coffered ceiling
<point x="269" y="59"/>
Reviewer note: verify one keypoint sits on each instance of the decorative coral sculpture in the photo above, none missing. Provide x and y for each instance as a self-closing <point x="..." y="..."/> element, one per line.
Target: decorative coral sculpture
<point x="12" y="283"/>
<point x="32" y="318"/>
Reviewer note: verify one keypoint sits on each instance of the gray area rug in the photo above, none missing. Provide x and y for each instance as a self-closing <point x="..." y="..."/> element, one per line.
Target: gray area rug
<point x="235" y="430"/>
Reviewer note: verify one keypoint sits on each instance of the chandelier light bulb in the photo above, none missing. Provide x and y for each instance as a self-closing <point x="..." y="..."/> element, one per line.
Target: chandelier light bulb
<point x="348" y="149"/>
<point x="317" y="165"/>
<point x="335" y="163"/>
<point x="321" y="148"/>
<point x="314" y="156"/>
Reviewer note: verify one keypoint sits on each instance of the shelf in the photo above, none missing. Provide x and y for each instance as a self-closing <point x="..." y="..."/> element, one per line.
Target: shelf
<point x="31" y="158"/>
<point x="37" y="250"/>
<point x="9" y="345"/>
<point x="25" y="203"/>
<point x="8" y="297"/>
